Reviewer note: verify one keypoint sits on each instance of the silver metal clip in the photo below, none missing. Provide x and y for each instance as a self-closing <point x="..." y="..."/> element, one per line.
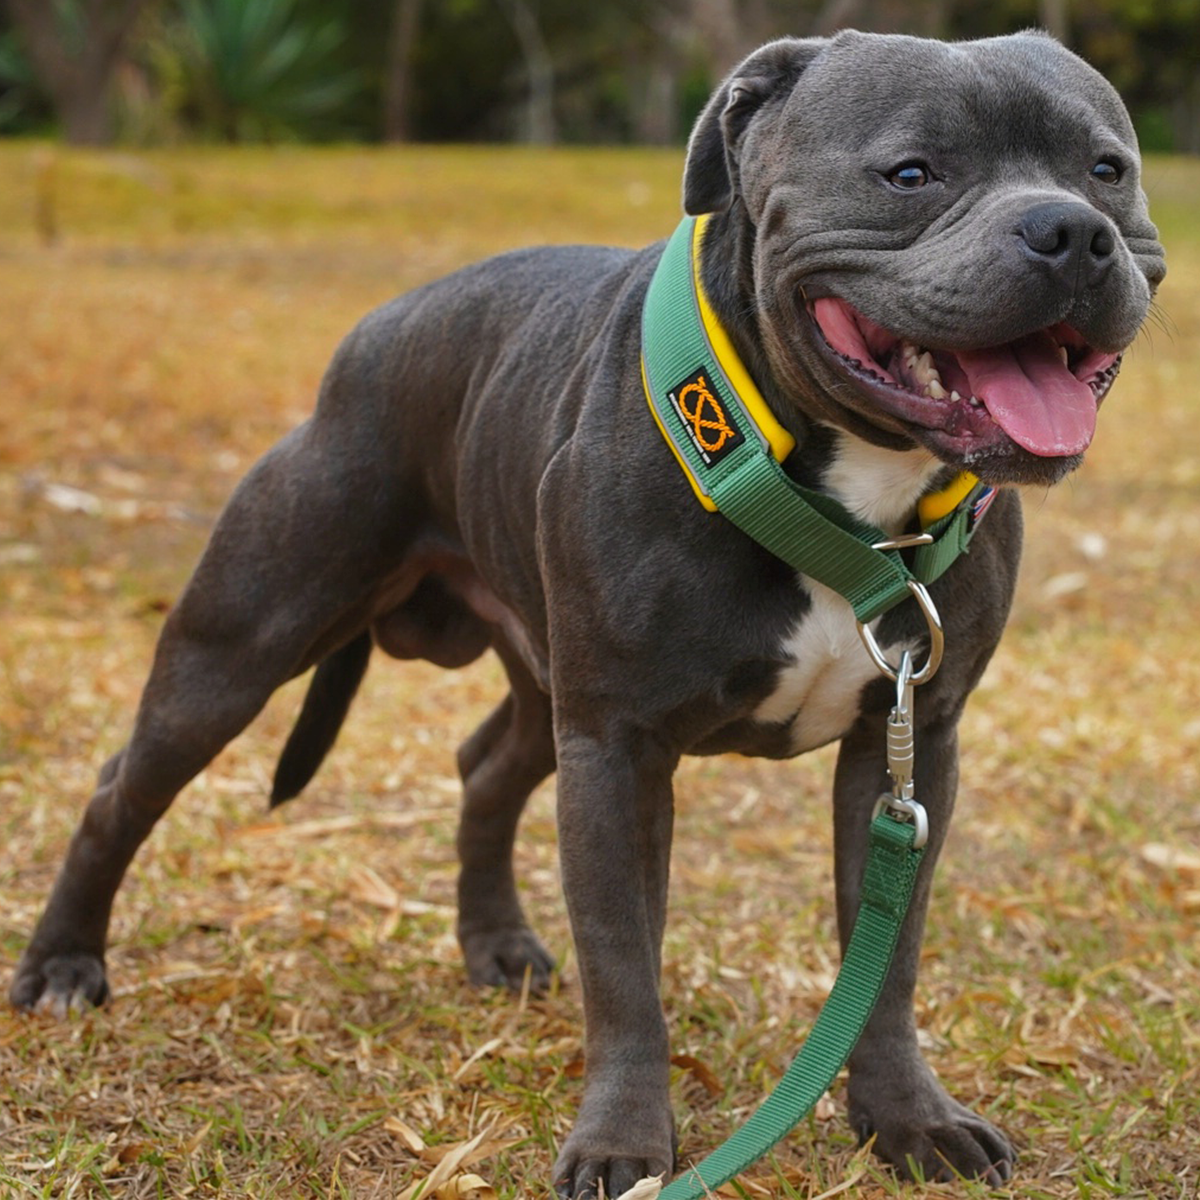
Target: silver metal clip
<point x="901" y="753"/>
<point x="900" y="737"/>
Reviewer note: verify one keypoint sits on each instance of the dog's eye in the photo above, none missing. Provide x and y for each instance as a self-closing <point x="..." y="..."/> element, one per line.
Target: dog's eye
<point x="1107" y="171"/>
<point x="909" y="176"/>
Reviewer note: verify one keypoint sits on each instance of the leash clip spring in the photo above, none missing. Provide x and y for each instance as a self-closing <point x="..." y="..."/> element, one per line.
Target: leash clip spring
<point x="901" y="747"/>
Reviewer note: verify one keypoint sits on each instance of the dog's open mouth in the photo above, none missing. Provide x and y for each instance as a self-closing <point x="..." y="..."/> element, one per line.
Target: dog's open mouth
<point x="1042" y="390"/>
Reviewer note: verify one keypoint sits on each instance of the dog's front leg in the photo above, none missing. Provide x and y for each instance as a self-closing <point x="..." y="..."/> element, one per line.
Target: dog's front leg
<point x="615" y="813"/>
<point x="893" y="1093"/>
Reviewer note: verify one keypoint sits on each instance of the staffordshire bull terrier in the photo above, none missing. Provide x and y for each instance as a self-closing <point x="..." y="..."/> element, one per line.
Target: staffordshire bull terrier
<point x="928" y="258"/>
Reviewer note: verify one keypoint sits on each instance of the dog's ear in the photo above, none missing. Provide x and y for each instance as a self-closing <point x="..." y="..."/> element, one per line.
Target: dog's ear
<point x="711" y="172"/>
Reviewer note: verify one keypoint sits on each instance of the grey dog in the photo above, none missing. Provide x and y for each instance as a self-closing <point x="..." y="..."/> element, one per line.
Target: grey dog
<point x="929" y="256"/>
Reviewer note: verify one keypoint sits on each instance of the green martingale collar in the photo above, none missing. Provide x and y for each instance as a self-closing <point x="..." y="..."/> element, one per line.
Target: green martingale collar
<point x="730" y="447"/>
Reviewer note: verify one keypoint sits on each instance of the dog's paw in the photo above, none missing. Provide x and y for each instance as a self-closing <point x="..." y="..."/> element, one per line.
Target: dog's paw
<point x="584" y="1169"/>
<point x="928" y="1136"/>
<point x="624" y="1132"/>
<point x="503" y="958"/>
<point x="59" y="984"/>
<point x="584" y="1179"/>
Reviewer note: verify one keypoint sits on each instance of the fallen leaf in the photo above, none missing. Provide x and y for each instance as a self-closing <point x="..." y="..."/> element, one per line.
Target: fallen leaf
<point x="193" y="1143"/>
<point x="133" y="1151"/>
<point x="322" y="827"/>
<point x="699" y="1071"/>
<point x="487" y="1048"/>
<point x="844" y="1186"/>
<point x="70" y="499"/>
<point x="1068" y="583"/>
<point x="644" y="1189"/>
<point x="406" y="1133"/>
<point x="368" y="886"/>
<point x="1171" y="858"/>
<point x="485" y="1149"/>
<point x="446" y="1170"/>
<point x="466" y="1187"/>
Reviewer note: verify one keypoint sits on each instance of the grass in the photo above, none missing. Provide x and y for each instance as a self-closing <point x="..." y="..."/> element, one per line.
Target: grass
<point x="290" y="1018"/>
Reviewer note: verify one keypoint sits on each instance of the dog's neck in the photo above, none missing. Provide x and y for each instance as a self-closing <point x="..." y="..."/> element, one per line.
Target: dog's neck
<point x="879" y="484"/>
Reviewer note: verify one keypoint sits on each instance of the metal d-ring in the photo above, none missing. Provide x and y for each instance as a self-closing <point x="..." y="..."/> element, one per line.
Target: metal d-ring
<point x="906" y="810"/>
<point x="937" y="639"/>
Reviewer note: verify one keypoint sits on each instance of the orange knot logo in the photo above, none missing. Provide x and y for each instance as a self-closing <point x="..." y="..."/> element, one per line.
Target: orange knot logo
<point x="706" y="416"/>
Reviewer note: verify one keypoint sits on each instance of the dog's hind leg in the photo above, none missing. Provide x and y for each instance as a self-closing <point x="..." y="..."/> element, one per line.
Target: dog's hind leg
<point x="501" y="764"/>
<point x="287" y="577"/>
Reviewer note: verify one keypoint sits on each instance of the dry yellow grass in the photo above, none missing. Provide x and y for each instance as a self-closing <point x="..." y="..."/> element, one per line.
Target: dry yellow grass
<point x="290" y="1018"/>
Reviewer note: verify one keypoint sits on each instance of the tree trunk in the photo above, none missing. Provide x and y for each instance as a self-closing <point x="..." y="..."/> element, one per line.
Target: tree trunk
<point x="1185" y="119"/>
<point x="77" y="71"/>
<point x="834" y="15"/>
<point x="656" y="113"/>
<point x="1052" y="16"/>
<point x="924" y="18"/>
<point x="658" y="123"/>
<point x="85" y="114"/>
<point x="539" y="119"/>
<point x="397" y="93"/>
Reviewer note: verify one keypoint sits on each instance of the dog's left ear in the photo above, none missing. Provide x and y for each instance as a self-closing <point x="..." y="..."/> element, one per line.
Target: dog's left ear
<point x="710" y="177"/>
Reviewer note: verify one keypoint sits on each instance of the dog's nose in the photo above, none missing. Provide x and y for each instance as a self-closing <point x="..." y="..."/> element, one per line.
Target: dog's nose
<point x="1073" y="240"/>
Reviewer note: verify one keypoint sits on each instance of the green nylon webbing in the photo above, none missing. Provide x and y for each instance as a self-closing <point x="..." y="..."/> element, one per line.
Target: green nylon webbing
<point x="888" y="880"/>
<point x="952" y="535"/>
<point x="808" y="530"/>
<point x="791" y="524"/>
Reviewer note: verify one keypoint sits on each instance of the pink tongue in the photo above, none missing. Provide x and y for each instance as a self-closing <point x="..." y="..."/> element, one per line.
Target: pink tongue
<point x="1032" y="396"/>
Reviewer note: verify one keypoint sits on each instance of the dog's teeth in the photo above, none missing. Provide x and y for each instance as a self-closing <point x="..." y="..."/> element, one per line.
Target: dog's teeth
<point x="1062" y="355"/>
<point x="975" y="402"/>
<point x="955" y="397"/>
<point x="921" y="375"/>
<point x="927" y="376"/>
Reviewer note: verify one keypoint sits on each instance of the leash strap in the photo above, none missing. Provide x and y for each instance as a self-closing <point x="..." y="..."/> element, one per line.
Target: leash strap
<point x="730" y="446"/>
<point x="888" y="880"/>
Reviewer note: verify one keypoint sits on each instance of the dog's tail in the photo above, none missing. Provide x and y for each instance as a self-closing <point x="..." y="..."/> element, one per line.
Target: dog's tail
<point x="333" y="686"/>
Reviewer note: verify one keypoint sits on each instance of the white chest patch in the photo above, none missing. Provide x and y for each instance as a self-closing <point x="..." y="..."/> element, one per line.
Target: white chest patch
<point x="828" y="668"/>
<point x="818" y="691"/>
<point x="877" y="485"/>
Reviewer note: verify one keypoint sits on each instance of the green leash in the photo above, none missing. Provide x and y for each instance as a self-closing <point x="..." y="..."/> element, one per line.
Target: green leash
<point x="887" y="888"/>
<point x="730" y="447"/>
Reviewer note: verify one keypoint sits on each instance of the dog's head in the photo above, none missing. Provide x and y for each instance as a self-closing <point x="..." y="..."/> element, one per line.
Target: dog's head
<point x="947" y="243"/>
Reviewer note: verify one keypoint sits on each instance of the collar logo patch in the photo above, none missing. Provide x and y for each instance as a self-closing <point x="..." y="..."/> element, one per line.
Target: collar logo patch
<point x="705" y="418"/>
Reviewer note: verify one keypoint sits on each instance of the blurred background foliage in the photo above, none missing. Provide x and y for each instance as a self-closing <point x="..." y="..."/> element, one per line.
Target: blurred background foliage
<point x="146" y="72"/>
